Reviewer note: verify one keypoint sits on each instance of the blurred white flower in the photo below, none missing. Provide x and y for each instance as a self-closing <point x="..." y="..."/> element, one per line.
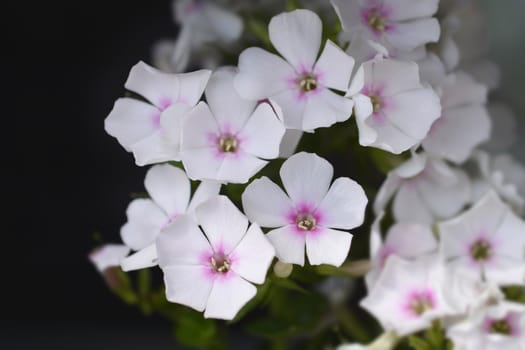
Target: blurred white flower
<point x="108" y="255"/>
<point x="464" y="123"/>
<point x="141" y="127"/>
<point x="226" y="138"/>
<point x="504" y="128"/>
<point x="208" y="264"/>
<point x="169" y="189"/>
<point x="486" y="242"/>
<point x="308" y="212"/>
<point x="300" y="83"/>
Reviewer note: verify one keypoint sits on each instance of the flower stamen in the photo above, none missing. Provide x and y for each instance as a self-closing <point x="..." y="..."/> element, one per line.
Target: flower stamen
<point x="228" y="144"/>
<point x="308" y="83"/>
<point x="376" y="103"/>
<point x="377" y="22"/>
<point x="481" y="250"/>
<point x="305" y="222"/>
<point x="220" y="263"/>
<point x="500" y="327"/>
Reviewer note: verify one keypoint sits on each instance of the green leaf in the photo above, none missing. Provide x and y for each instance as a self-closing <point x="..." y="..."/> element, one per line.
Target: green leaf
<point x="260" y="30"/>
<point x="193" y="329"/>
<point x="292" y="5"/>
<point x="288" y="284"/>
<point x="418" y="343"/>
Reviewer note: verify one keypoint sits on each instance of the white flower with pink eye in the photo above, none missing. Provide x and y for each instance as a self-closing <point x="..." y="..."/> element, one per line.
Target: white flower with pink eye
<point x="486" y="242"/>
<point x="300" y="83"/>
<point x="464" y="123"/>
<point x="108" y="255"/>
<point x="169" y="191"/>
<point x="210" y="263"/>
<point x="396" y="24"/>
<point x="143" y="127"/>
<point x="229" y="139"/>
<point x="403" y="239"/>
<point x="496" y="327"/>
<point x="309" y="213"/>
<point x="402" y="109"/>
<point x="408" y="296"/>
<point x="424" y="190"/>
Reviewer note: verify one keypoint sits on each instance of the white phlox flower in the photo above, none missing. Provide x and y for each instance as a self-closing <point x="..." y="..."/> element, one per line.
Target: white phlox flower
<point x="464" y="123"/>
<point x="229" y="138"/>
<point x="385" y="341"/>
<point x="210" y="263"/>
<point x="504" y="128"/>
<point x="300" y="83"/>
<point x="310" y="213"/>
<point x="408" y="295"/>
<point x="486" y="242"/>
<point x="496" y="327"/>
<point x="143" y="127"/>
<point x="492" y="174"/>
<point x="403" y="239"/>
<point x="398" y="25"/>
<point x="108" y="255"/>
<point x="424" y="189"/>
<point x="402" y="109"/>
<point x="169" y="191"/>
<point x="203" y="24"/>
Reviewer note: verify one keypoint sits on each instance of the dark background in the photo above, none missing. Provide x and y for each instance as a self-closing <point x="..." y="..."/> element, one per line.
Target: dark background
<point x="64" y="178"/>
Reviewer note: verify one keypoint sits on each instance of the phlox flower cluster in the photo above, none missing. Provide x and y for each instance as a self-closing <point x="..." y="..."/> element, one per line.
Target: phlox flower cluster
<point x="234" y="199"/>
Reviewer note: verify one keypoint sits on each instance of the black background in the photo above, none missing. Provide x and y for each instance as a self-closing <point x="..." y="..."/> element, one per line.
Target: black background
<point x="63" y="177"/>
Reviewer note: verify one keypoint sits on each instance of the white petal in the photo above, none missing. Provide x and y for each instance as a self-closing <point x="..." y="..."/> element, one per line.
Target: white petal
<point x="201" y="164"/>
<point x="188" y="285"/>
<point x="328" y="247"/>
<point x="292" y="107"/>
<point x="239" y="168"/>
<point x="391" y="76"/>
<point x="153" y="149"/>
<point x="228" y="296"/>
<point x="226" y="25"/>
<point x="458" y="133"/>
<point x="326" y="108"/>
<point x="197" y="128"/>
<point x="261" y="74"/>
<point x="460" y="89"/>
<point x="108" y="255"/>
<point x="357" y="83"/>
<point x="408" y="206"/>
<point x="131" y="120"/>
<point x="408" y="9"/>
<point x="182" y="243"/>
<point x="145" y="220"/>
<point x="206" y="190"/>
<point x="265" y="203"/>
<point x="306" y="178"/>
<point x="409" y="35"/>
<point x="386" y="191"/>
<point x="146" y="257"/>
<point x="222" y="222"/>
<point x="389" y="137"/>
<point x="362" y="110"/>
<point x="262" y="134"/>
<point x="335" y="67"/>
<point x="229" y="109"/>
<point x="192" y="85"/>
<point x="511" y="238"/>
<point x="289" y="245"/>
<point x="157" y="87"/>
<point x="411" y="240"/>
<point x="253" y="255"/>
<point x="297" y="37"/>
<point x="344" y="205"/>
<point x="171" y="121"/>
<point x="289" y="142"/>
<point x="169" y="187"/>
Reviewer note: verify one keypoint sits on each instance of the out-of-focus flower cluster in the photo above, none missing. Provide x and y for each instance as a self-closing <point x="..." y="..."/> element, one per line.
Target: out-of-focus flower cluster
<point x="239" y="121"/>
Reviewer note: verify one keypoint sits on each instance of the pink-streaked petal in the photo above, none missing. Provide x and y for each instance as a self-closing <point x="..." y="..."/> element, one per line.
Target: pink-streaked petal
<point x="229" y="109"/>
<point x="144" y="258"/>
<point x="253" y="255"/>
<point x="228" y="296"/>
<point x="198" y="128"/>
<point x="306" y="178"/>
<point x="108" y="255"/>
<point x="266" y="203"/>
<point x="344" y="205"/>
<point x="261" y="74"/>
<point x="263" y="133"/>
<point x="328" y="246"/>
<point x="297" y="37"/>
<point x="409" y="35"/>
<point x="169" y="187"/>
<point x="326" y="108"/>
<point x="145" y="220"/>
<point x="159" y="88"/>
<point x="188" y="285"/>
<point x="332" y="57"/>
<point x="182" y="243"/>
<point x="289" y="245"/>
<point x="192" y="85"/>
<point x="131" y="120"/>
<point x="222" y="222"/>
<point x="408" y="9"/>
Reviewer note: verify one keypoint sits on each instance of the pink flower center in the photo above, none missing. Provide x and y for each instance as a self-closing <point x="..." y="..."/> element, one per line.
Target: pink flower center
<point x="420" y="301"/>
<point x="307" y="82"/>
<point x="481" y="250"/>
<point x="220" y="263"/>
<point x="376" y="18"/>
<point x="227" y="143"/>
<point x="305" y="222"/>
